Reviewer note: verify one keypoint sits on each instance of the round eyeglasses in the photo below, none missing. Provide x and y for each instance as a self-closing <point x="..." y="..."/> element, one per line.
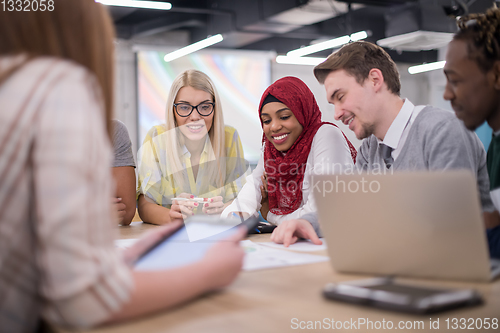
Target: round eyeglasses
<point x="185" y="110"/>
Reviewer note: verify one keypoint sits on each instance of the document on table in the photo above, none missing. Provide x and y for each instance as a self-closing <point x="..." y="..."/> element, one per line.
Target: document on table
<point x="261" y="257"/>
<point x="136" y="223"/>
<point x="125" y="243"/>
<point x="301" y="246"/>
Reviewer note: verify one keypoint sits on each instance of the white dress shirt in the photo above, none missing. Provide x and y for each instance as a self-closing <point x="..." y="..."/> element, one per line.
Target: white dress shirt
<point x="398" y="131"/>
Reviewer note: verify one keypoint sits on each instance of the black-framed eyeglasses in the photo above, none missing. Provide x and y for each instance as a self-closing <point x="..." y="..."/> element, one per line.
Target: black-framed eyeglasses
<point x="185" y="110"/>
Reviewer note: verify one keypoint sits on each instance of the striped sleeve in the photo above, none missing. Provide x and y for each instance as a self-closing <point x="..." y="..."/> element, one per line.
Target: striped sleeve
<point x="84" y="279"/>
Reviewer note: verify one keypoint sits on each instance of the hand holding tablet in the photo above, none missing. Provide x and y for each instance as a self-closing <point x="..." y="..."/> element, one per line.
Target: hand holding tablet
<point x="185" y="246"/>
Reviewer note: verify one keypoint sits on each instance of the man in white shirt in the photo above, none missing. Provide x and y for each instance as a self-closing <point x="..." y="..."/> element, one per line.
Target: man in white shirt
<point x="362" y="82"/>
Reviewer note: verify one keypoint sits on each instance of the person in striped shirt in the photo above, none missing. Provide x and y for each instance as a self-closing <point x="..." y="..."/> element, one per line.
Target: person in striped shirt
<point x="58" y="263"/>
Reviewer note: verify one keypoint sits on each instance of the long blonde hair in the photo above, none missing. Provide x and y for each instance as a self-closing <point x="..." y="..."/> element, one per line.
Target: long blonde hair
<point x="200" y="81"/>
<point x="76" y="30"/>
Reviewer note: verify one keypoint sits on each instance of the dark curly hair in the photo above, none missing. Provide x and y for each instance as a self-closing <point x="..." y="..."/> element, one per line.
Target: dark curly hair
<point x="482" y="33"/>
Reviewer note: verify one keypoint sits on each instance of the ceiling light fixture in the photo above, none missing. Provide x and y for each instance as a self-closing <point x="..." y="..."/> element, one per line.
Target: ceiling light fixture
<point x="417" y="41"/>
<point x="137" y="4"/>
<point x="329" y="44"/>
<point x="311" y="61"/>
<point x="193" y="47"/>
<point x="359" y="36"/>
<point x="426" y="67"/>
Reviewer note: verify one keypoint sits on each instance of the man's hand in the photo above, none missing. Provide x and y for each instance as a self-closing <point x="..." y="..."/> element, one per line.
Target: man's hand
<point x="491" y="219"/>
<point x="290" y="231"/>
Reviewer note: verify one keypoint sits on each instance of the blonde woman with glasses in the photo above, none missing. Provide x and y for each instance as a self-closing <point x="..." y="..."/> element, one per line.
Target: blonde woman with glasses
<point x="192" y="164"/>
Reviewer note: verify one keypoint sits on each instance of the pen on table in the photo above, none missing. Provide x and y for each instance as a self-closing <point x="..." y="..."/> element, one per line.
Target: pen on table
<point x="191" y="199"/>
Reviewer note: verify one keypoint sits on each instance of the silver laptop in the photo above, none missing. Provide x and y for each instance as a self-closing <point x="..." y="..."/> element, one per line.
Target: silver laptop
<point x="424" y="224"/>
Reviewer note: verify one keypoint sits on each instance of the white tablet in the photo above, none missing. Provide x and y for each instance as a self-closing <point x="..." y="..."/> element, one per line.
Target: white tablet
<point x="190" y="242"/>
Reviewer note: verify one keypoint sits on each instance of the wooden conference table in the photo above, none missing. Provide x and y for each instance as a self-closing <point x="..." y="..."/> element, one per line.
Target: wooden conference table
<point x="269" y="300"/>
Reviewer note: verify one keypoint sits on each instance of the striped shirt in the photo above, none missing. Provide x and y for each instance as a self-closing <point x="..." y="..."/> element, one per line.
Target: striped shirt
<point x="57" y="258"/>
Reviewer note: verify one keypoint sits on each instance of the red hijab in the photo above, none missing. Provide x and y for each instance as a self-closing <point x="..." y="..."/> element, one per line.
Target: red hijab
<point x="285" y="172"/>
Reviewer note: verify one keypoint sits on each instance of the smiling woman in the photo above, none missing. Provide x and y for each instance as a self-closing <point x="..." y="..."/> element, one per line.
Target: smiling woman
<point x="296" y="145"/>
<point x="280" y="125"/>
<point x="192" y="155"/>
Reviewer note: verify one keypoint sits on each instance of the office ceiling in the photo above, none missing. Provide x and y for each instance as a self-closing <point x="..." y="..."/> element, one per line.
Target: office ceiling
<point x="284" y="25"/>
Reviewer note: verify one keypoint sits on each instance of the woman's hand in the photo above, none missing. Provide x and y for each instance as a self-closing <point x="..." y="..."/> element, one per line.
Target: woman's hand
<point x="182" y="209"/>
<point x="290" y="231"/>
<point x="224" y="260"/>
<point x="264" y="209"/>
<point x="213" y="206"/>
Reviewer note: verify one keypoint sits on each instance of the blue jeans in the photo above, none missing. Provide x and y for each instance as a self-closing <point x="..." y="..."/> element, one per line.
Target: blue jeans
<point x="494" y="241"/>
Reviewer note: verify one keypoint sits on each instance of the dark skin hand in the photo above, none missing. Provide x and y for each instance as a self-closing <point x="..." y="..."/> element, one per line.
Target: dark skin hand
<point x="265" y="199"/>
<point x="124" y="201"/>
<point x="492" y="219"/>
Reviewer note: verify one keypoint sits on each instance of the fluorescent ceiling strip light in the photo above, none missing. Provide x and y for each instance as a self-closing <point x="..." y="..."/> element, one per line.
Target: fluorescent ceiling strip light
<point x="329" y="44"/>
<point x="311" y="61"/>
<point x="193" y="47"/>
<point x="359" y="36"/>
<point x="426" y="67"/>
<point x="137" y="4"/>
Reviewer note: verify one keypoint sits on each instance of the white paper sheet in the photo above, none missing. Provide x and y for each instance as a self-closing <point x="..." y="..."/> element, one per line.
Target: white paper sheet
<point x="258" y="256"/>
<point x="136" y="223"/>
<point x="302" y="246"/>
<point x="125" y="243"/>
<point x="262" y="257"/>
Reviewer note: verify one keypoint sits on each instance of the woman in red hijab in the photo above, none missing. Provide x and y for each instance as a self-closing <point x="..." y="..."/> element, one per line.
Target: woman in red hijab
<point x="296" y="143"/>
